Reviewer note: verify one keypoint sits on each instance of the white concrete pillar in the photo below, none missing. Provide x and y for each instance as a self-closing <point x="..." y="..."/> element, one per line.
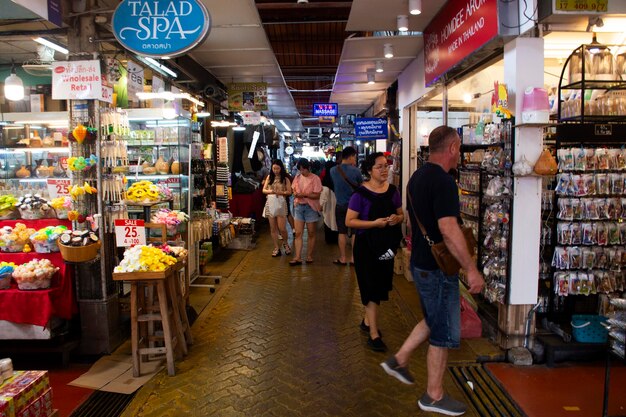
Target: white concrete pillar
<point x="523" y="68"/>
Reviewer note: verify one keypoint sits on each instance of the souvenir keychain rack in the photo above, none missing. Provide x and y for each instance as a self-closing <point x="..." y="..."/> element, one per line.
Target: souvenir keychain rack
<point x="589" y="233"/>
<point x="487" y="207"/>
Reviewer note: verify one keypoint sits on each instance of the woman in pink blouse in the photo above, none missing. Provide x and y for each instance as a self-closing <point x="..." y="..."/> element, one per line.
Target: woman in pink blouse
<point x="307" y="188"/>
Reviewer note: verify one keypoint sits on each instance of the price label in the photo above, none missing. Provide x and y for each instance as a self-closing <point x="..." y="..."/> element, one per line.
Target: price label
<point x="130" y="232"/>
<point x="58" y="188"/>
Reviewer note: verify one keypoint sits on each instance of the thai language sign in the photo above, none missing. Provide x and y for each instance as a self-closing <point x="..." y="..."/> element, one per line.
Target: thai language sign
<point x="157" y="28"/>
<point x="460" y="28"/>
<point x="247" y="96"/>
<point x="325" y="109"/>
<point x="78" y="80"/>
<point x="371" y="128"/>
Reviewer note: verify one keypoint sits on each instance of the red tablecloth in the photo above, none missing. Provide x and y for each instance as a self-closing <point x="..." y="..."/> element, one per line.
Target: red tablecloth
<point x="248" y="205"/>
<point x="37" y="306"/>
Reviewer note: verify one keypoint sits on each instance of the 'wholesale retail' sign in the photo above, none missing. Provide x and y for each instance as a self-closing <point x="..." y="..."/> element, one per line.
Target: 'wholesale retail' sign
<point x="460" y="28"/>
<point x="158" y="28"/>
<point x="371" y="128"/>
<point x="79" y="80"/>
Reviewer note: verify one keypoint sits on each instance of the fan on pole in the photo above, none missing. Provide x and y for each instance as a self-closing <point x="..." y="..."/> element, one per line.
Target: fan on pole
<point x="41" y="66"/>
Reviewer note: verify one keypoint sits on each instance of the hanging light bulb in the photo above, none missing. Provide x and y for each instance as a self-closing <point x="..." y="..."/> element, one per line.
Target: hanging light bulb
<point x="371" y="79"/>
<point x="388" y="50"/>
<point x="415" y="7"/>
<point x="403" y="22"/>
<point x="379" y="66"/>
<point x="13" y="86"/>
<point x="595" y="46"/>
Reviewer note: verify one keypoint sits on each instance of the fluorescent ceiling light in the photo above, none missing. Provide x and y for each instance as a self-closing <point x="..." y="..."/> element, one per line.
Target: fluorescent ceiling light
<point x="239" y="128"/>
<point x="403" y="23"/>
<point x="160" y="66"/>
<point x="379" y="66"/>
<point x="45" y="122"/>
<point x="220" y="123"/>
<point x="285" y="125"/>
<point x="388" y="50"/>
<point x="286" y="134"/>
<point x="203" y="114"/>
<point x="370" y="76"/>
<point x="168" y="95"/>
<point x="52" y="45"/>
<point x="415" y="7"/>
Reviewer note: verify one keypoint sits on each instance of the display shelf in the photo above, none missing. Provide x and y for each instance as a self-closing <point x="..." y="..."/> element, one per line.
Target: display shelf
<point x="617" y="336"/>
<point x="490" y="214"/>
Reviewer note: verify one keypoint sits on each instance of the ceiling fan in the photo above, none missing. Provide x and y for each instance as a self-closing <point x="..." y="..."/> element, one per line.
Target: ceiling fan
<point x="42" y="65"/>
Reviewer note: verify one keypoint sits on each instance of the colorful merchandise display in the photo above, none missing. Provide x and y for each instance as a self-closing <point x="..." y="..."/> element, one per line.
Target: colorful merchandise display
<point x="143" y="258"/>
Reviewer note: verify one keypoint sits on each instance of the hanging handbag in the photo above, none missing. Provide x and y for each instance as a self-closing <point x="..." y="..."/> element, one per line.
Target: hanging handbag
<point x="445" y="260"/>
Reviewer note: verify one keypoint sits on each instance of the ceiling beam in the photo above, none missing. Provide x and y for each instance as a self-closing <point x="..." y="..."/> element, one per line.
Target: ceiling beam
<point x="298" y="6"/>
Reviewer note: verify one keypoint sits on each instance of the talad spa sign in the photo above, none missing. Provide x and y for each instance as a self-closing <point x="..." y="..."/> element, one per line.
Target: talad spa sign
<point x="158" y="28"/>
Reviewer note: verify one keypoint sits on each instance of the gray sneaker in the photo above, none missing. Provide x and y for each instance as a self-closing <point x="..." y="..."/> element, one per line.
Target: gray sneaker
<point x="447" y="405"/>
<point x="401" y="373"/>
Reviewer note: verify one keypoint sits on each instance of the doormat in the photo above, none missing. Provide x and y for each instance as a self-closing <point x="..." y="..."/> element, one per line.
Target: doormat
<point x="483" y="391"/>
<point x="103" y="404"/>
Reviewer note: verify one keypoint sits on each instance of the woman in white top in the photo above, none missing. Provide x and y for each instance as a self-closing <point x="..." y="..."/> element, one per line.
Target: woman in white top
<point x="277" y="187"/>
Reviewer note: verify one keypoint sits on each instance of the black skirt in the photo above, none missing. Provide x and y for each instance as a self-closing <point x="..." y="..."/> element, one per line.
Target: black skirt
<point x="373" y="276"/>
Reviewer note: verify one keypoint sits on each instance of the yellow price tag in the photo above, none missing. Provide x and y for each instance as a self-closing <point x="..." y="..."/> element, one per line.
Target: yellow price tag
<point x="582" y="5"/>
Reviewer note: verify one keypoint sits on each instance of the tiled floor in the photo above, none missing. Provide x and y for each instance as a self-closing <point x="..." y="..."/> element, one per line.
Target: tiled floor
<point x="278" y="340"/>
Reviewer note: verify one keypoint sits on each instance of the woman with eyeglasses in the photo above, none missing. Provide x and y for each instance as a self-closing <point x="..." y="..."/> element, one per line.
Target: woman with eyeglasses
<point x="375" y="211"/>
<point x="307" y="188"/>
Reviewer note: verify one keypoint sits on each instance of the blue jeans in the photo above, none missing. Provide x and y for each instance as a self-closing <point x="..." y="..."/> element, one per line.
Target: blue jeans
<point x="304" y="213"/>
<point x="439" y="294"/>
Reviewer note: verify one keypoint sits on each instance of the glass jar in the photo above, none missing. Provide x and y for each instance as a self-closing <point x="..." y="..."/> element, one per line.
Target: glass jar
<point x="602" y="64"/>
<point x="576" y="65"/>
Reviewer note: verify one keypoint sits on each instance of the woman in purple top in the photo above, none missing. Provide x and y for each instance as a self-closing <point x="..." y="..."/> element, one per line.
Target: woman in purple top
<point x="375" y="211"/>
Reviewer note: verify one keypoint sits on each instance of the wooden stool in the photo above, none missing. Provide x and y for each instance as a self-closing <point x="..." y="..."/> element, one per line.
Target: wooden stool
<point x="143" y="312"/>
<point x="139" y="314"/>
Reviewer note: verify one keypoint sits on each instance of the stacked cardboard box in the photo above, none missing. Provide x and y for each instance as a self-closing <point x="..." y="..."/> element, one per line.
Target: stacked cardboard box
<point x="26" y="394"/>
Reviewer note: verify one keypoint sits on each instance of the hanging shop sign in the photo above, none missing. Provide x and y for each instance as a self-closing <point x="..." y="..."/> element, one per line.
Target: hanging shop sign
<point x="326" y="119"/>
<point x="78" y="80"/>
<point x="598" y="6"/>
<point x="158" y="28"/>
<point x="247" y="96"/>
<point x="371" y="128"/>
<point x="325" y="109"/>
<point x="134" y="80"/>
<point x="460" y="28"/>
<point x="51" y="10"/>
<point x="129" y="232"/>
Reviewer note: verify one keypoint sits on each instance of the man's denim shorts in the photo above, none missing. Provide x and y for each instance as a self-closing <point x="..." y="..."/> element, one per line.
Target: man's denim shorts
<point x="439" y="294"/>
<point x="304" y="213"/>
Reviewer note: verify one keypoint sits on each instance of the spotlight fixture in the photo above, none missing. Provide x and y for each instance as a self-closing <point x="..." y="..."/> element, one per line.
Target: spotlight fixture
<point x="595" y="46"/>
<point x="388" y="50"/>
<point x="371" y="79"/>
<point x="467" y="98"/>
<point x="415" y="7"/>
<point x="52" y="45"/>
<point x="403" y="22"/>
<point x="379" y="66"/>
<point x="13" y="86"/>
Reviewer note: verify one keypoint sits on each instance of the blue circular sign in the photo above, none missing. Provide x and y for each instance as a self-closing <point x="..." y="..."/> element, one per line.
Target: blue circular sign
<point x="158" y="28"/>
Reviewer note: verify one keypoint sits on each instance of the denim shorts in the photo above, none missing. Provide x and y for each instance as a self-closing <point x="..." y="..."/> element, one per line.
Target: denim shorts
<point x="304" y="213"/>
<point x="439" y="294"/>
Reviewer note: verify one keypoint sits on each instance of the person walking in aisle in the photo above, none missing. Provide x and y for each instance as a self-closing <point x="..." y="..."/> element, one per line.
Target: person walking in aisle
<point x="277" y="187"/>
<point x="346" y="178"/>
<point x="375" y="211"/>
<point x="307" y="188"/>
<point x="432" y="196"/>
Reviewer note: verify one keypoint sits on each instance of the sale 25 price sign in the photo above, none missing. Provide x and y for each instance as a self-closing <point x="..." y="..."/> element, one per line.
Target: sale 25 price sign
<point x="58" y="187"/>
<point x="130" y="232"/>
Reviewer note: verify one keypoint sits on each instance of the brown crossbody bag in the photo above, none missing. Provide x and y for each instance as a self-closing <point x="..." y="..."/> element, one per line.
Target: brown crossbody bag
<point x="445" y="260"/>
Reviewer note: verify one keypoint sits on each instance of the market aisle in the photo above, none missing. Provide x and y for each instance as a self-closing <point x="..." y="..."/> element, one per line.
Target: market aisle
<point x="285" y="341"/>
